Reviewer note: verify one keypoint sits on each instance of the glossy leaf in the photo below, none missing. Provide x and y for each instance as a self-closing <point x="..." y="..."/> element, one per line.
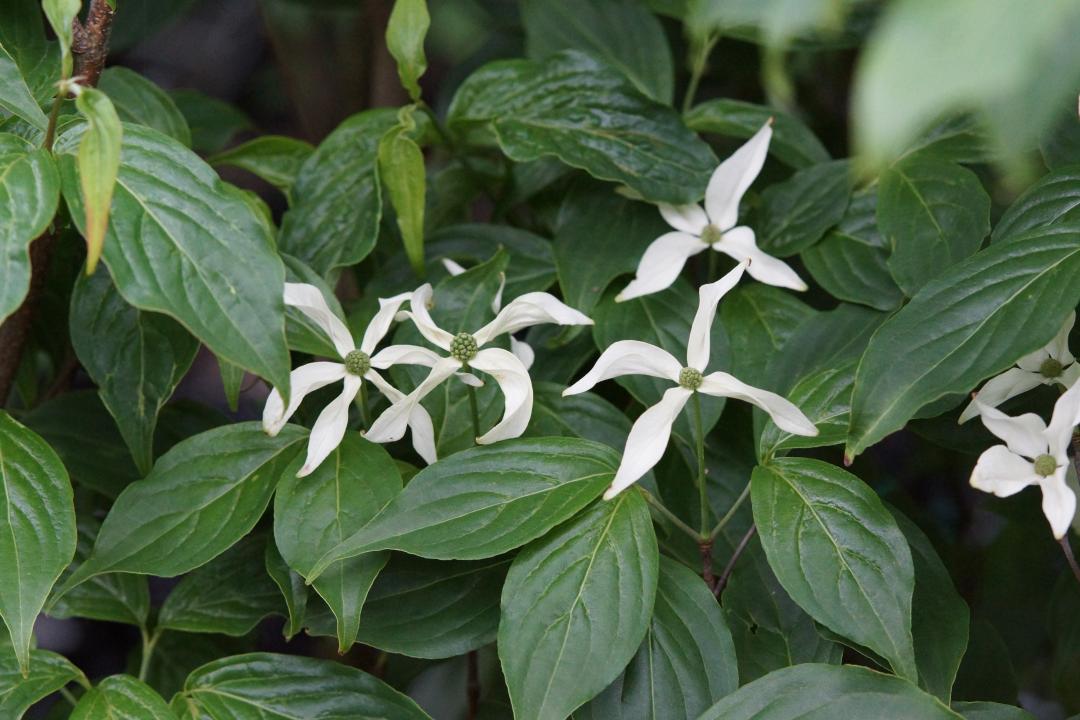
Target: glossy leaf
<point x="933" y="214"/>
<point x="972" y="321"/>
<point x="824" y="397"/>
<point x="99" y="164"/>
<point x="48" y="673"/>
<point x="274" y="158"/>
<point x="991" y="711"/>
<point x="336" y="202"/>
<point x="792" y="142"/>
<point x="122" y="697"/>
<point x="15" y="95"/>
<point x="292" y="588"/>
<point x="838" y="552"/>
<point x="1052" y="200"/>
<point x="202" y="496"/>
<point x="29" y="195"/>
<point x="587" y="416"/>
<point x="851" y="261"/>
<point x="401" y="169"/>
<point x="37" y="529"/>
<point x="314" y="514"/>
<point x="138" y="100"/>
<point x="261" y="685"/>
<point x="758" y="320"/>
<point x="812" y="691"/>
<point x="639" y="49"/>
<point x="136" y="358"/>
<point x="228" y="595"/>
<point x="483" y="502"/>
<point x="575" y="607"/>
<point x="213" y="122"/>
<point x="589" y="116"/>
<point x="686" y="662"/>
<point x="798" y="211"/>
<point x="183" y="243"/>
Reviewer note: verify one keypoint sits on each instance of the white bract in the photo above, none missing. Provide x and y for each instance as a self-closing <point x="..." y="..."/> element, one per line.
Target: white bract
<point x="357" y="364"/>
<point x="698" y="229"/>
<point x="465" y="354"/>
<point x="649" y="436"/>
<point x="521" y="349"/>
<point x="1049" y="365"/>
<point x="1033" y="454"/>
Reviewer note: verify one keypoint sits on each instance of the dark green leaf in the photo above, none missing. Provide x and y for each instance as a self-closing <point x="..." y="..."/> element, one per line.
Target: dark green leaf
<point x="483" y="502"/>
<point x="933" y="213"/>
<point x="798" y="211"/>
<point x="232" y="380"/>
<point x="405" y="33"/>
<point x="177" y="654"/>
<point x="586" y="416"/>
<point x="1053" y="200"/>
<point x="1061" y="146"/>
<point x="213" y="123"/>
<point x="824" y="396"/>
<point x="622" y="33"/>
<point x="314" y="514"/>
<point x="15" y="95"/>
<point x="136" y="358"/>
<point x="686" y="662"/>
<point x="303" y="333"/>
<point x="758" y="320"/>
<point x="48" y="673"/>
<point x="990" y="711"/>
<point x="575" y="607"/>
<point x="274" y="158"/>
<point x="589" y="116"/>
<point x="838" y="552"/>
<point x="121" y="697"/>
<point x="970" y="322"/>
<point x="291" y="586"/>
<point x="183" y="243"/>
<point x="37" y="529"/>
<point x="792" y="142"/>
<point x="138" y="100"/>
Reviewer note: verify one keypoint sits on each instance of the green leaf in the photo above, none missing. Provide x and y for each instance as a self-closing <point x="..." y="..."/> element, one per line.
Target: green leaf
<point x="590" y="117"/>
<point x="587" y="416"/>
<point x="798" y="211"/>
<point x="138" y="100"/>
<point x="292" y="588"/>
<point x="838" y="552"/>
<point x="599" y="236"/>
<point x="792" y="142"/>
<point x="232" y="380"/>
<point x="940" y="617"/>
<point x="183" y="243"/>
<point x="933" y="213"/>
<point x="401" y="169"/>
<point x="29" y="195"/>
<point x="824" y="396"/>
<point x="314" y="514"/>
<point x="99" y="164"/>
<point x="122" y="697"/>
<point x="177" y="654"/>
<point x="828" y="691"/>
<point x="990" y="711"/>
<point x="303" y="333"/>
<point x="686" y="662"/>
<point x="972" y="321"/>
<point x="1052" y="200"/>
<point x="48" y="673"/>
<point x="851" y="263"/>
<point x="575" y="607"/>
<point x="758" y="320"/>
<point x="274" y="158"/>
<point x="37" y="529"/>
<point x="213" y="123"/>
<point x="15" y="95"/>
<point x="203" y="495"/>
<point x="228" y="595"/>
<point x="112" y="597"/>
<point x="336" y="208"/>
<point x="61" y="14"/>
<point x="1061" y="146"/>
<point x="136" y="358"/>
<point x="433" y="608"/>
<point x="264" y="685"/>
<point x="454" y="509"/>
<point x="777" y="21"/>
<point x="405" y="33"/>
<point x="639" y="49"/>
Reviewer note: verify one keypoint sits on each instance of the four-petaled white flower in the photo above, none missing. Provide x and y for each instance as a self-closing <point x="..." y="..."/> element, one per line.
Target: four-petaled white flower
<point x="521" y="349"/>
<point x="1049" y="365"/>
<point x="465" y="353"/>
<point x="357" y="364"/>
<point x="697" y="230"/>
<point x="649" y="435"/>
<point x="1033" y="454"/>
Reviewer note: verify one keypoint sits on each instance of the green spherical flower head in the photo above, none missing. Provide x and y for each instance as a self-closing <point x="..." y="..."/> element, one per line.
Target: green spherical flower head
<point x="357" y="363"/>
<point x="1045" y="465"/>
<point x="1050" y="368"/>
<point x="690" y="378"/>
<point x="463" y="347"/>
<point x="711" y="234"/>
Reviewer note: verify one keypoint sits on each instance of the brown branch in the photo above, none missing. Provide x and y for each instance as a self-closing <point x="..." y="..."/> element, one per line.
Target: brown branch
<point x="739" y="550"/>
<point x="705" y="548"/>
<point x="91" y="42"/>
<point x="1069" y="557"/>
<point x="472" y="684"/>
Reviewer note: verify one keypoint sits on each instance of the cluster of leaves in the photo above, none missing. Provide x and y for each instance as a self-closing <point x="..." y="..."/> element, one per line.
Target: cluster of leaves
<point x="596" y="609"/>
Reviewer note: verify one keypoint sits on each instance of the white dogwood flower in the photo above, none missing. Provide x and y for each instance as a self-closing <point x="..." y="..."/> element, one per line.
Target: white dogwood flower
<point x="520" y="348"/>
<point x="697" y="229"/>
<point x="649" y="435"/>
<point x="465" y="354"/>
<point x="1033" y="454"/>
<point x="1049" y="365"/>
<point x="357" y="364"/>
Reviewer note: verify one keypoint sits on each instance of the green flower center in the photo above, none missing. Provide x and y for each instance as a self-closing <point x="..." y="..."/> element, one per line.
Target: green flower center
<point x="690" y="378"/>
<point x="1050" y="368"/>
<point x="711" y="234"/>
<point x="357" y="363"/>
<point x="463" y="347"/>
<point x="1045" y="465"/>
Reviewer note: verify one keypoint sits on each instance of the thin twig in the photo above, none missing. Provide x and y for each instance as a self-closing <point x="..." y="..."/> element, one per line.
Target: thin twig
<point x="672" y="517"/>
<point x="731" y="512"/>
<point x="739" y="549"/>
<point x="1067" y="549"/>
<point x="705" y="547"/>
<point x="472" y="684"/>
